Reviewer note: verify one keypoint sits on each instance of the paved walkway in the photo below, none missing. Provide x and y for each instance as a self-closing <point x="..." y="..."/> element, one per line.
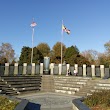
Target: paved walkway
<point x="50" y="101"/>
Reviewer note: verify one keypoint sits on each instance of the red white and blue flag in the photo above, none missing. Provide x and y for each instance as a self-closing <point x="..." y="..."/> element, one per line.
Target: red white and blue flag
<point x="65" y="29"/>
<point x="33" y="24"/>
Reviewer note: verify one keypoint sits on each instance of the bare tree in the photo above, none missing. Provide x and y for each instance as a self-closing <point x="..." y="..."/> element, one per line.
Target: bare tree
<point x="91" y="55"/>
<point x="7" y="52"/>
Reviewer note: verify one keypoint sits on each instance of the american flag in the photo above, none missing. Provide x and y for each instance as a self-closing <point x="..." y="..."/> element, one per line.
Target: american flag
<point x="65" y="29"/>
<point x="33" y="24"/>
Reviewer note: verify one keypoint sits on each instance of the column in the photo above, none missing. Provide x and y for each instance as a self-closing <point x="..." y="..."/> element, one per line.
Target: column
<point x="16" y="69"/>
<point x="102" y="71"/>
<point x="84" y="70"/>
<point x="68" y="67"/>
<point x="76" y="67"/>
<point x="93" y="70"/>
<point x="60" y="69"/>
<point x="51" y="68"/>
<point x="41" y="68"/>
<point x="33" y="69"/>
<point x="6" y="69"/>
<point x="24" y="68"/>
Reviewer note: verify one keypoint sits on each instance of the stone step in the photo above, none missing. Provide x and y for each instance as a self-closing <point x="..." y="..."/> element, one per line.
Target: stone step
<point x="82" y="80"/>
<point x="25" y="82"/>
<point x="69" y="85"/>
<point x="65" y="92"/>
<point x="25" y="85"/>
<point x="71" y="77"/>
<point x="28" y="88"/>
<point x="102" y="87"/>
<point x="78" y="82"/>
<point x="21" y="76"/>
<point x="67" y="88"/>
<point x="103" y="84"/>
<point x="29" y="92"/>
<point x="21" y="80"/>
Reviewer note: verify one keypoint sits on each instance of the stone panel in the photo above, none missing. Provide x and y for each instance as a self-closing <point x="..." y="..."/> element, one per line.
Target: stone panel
<point x="37" y="69"/>
<point x="56" y="69"/>
<point x="97" y="71"/>
<point x="64" y="69"/>
<point x="72" y="70"/>
<point x="107" y="74"/>
<point x="20" y="69"/>
<point x="89" y="73"/>
<point x="80" y="71"/>
<point x="2" y="70"/>
<point x="11" y="70"/>
<point x="29" y="69"/>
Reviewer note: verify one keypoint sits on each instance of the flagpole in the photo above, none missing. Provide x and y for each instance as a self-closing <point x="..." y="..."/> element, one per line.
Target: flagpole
<point x="61" y="41"/>
<point x="32" y="45"/>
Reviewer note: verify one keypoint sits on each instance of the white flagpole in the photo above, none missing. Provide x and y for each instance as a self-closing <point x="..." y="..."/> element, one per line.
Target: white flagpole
<point x="32" y="44"/>
<point x="61" y="41"/>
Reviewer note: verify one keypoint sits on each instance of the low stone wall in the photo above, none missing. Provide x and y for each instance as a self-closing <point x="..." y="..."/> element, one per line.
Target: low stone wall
<point x="78" y="105"/>
<point x="54" y="69"/>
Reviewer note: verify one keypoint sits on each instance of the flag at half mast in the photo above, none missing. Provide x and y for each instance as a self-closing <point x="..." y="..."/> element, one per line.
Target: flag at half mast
<point x="33" y="24"/>
<point x="65" y="29"/>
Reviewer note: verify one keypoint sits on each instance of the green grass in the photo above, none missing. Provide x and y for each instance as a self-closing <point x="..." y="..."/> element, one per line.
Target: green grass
<point x="7" y="104"/>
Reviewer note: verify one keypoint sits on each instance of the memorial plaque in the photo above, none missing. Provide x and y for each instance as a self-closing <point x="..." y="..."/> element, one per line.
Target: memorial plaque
<point x="46" y="65"/>
<point x="20" y="69"/>
<point x="2" y="70"/>
<point x="107" y="74"/>
<point x="64" y="69"/>
<point x="89" y="73"/>
<point x="11" y="70"/>
<point x="29" y="69"/>
<point x="37" y="69"/>
<point x="97" y="71"/>
<point x="72" y="70"/>
<point x="56" y="69"/>
<point x="80" y="71"/>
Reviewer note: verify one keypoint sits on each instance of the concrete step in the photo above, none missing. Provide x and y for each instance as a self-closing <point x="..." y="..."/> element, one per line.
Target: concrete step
<point x="64" y="91"/>
<point x="70" y="80"/>
<point x="25" y="85"/>
<point x="76" y="82"/>
<point x="103" y="84"/>
<point x="21" y="80"/>
<point x="102" y="87"/>
<point x="71" y="77"/>
<point x="20" y="77"/>
<point x="28" y="88"/>
<point x="69" y="85"/>
<point x="24" y="82"/>
<point x="67" y="88"/>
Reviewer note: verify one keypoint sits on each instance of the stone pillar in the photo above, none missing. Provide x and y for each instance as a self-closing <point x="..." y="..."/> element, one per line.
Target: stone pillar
<point x="6" y="69"/>
<point x="24" y="68"/>
<point x="68" y="67"/>
<point x="41" y="68"/>
<point x="102" y="71"/>
<point x="84" y="70"/>
<point x="93" y="70"/>
<point x="76" y="67"/>
<point x="51" y="68"/>
<point x="60" y="69"/>
<point x="16" y="69"/>
<point x="33" y="69"/>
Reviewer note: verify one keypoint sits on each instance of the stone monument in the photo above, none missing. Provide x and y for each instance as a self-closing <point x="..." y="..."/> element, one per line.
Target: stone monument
<point x="46" y="65"/>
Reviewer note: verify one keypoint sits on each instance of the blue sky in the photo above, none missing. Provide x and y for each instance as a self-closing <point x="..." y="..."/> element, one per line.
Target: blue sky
<point x="88" y="20"/>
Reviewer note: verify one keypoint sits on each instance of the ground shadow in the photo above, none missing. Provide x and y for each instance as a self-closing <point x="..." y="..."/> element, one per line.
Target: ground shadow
<point x="32" y="106"/>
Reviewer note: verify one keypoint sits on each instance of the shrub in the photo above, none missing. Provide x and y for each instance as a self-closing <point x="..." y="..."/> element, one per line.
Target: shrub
<point x="7" y="104"/>
<point x="98" y="98"/>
